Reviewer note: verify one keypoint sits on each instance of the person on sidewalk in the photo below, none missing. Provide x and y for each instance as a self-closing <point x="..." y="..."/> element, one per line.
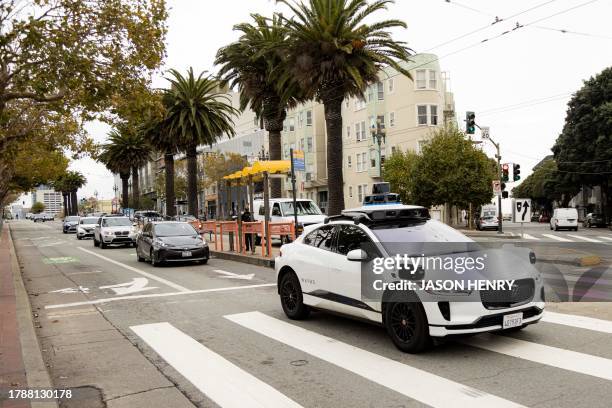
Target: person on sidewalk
<point x="248" y="238"/>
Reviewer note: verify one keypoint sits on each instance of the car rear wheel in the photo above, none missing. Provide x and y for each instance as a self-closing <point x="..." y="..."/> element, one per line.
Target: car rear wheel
<point x="406" y="324"/>
<point x="292" y="300"/>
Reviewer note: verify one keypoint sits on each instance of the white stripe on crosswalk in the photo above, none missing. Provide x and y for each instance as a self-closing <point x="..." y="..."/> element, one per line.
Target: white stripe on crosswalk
<point x="557" y="238"/>
<point x="582" y="322"/>
<point x="219" y="379"/>
<point x="527" y="236"/>
<point x="606" y="238"/>
<point x="539" y="353"/>
<point x="417" y="384"/>
<point x="583" y="238"/>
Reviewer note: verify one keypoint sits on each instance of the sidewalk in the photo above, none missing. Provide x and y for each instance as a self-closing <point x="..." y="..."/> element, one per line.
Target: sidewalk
<point x="21" y="362"/>
<point x="250" y="258"/>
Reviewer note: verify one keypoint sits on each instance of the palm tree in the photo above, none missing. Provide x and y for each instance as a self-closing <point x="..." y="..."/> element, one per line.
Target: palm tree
<point x="253" y="65"/>
<point x="71" y="181"/>
<point x="333" y="54"/>
<point x="59" y="184"/>
<point x="197" y="113"/>
<point x="126" y="150"/>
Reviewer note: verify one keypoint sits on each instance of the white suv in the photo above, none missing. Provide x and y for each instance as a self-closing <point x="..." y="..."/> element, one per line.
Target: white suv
<point x="330" y="267"/>
<point x="111" y="230"/>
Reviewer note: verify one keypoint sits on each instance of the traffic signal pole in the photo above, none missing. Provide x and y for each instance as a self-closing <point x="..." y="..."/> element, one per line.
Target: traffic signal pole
<point x="500" y="217"/>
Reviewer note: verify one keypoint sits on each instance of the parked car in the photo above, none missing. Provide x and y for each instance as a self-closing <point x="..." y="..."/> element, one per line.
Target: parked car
<point x="146" y="216"/>
<point x="70" y="224"/>
<point x="86" y="227"/>
<point x="564" y="218"/>
<point x="323" y="269"/>
<point x="113" y="230"/>
<point x="544" y="218"/>
<point x="594" y="220"/>
<point x="487" y="223"/>
<point x="42" y="217"/>
<point x="281" y="210"/>
<point x="190" y="219"/>
<point x="29" y="216"/>
<point x="171" y="241"/>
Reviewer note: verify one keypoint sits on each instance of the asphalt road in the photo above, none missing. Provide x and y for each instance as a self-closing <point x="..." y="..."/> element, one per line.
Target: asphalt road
<point x="124" y="334"/>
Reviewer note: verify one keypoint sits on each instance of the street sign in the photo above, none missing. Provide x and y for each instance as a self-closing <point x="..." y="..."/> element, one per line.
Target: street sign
<point x="522" y="210"/>
<point x="484" y="132"/>
<point x="497" y="187"/>
<point x="298" y="160"/>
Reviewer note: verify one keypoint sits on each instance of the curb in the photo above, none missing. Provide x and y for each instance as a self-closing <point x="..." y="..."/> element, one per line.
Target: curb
<point x="36" y="370"/>
<point x="482" y="234"/>
<point x="588" y="260"/>
<point x="230" y="256"/>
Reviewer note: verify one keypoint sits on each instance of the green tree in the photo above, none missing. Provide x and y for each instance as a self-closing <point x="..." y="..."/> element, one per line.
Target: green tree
<point x="253" y="65"/>
<point x="583" y="151"/>
<point x="452" y="171"/>
<point x="197" y="114"/>
<point x="216" y="166"/>
<point x="69" y="183"/>
<point x="334" y="54"/>
<point x="38" y="207"/>
<point x="398" y="170"/>
<point x="62" y="62"/>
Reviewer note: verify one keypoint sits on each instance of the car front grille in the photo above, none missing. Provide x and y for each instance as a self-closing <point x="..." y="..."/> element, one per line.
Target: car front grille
<point x="122" y="233"/>
<point x="522" y="292"/>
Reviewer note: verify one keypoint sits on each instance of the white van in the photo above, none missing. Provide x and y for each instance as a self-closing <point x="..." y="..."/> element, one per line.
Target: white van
<point x="564" y="218"/>
<point x="281" y="210"/>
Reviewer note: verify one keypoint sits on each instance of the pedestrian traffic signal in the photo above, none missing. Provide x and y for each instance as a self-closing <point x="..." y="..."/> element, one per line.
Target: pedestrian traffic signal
<point x="470" y="123"/>
<point x="516" y="172"/>
<point x="505" y="169"/>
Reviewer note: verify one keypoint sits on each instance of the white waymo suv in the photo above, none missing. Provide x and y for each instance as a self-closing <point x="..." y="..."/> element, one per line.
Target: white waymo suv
<point x="337" y="266"/>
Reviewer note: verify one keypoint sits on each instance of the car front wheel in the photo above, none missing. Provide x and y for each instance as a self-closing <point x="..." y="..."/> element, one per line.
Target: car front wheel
<point x="154" y="262"/>
<point x="406" y="324"/>
<point x="292" y="300"/>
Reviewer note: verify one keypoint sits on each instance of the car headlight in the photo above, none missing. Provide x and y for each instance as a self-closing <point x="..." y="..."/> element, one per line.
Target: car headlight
<point x="160" y="243"/>
<point x="108" y="233"/>
<point x="81" y="230"/>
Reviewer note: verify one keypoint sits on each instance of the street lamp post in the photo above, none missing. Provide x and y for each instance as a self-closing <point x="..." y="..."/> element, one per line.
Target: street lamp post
<point x="96" y="195"/>
<point x="379" y="133"/>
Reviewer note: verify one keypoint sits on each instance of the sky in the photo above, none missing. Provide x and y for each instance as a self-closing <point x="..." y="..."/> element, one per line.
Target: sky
<point x="518" y="83"/>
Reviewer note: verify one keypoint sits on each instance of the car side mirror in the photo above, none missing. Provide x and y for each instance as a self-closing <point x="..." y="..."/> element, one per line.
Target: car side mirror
<point x="357" y="255"/>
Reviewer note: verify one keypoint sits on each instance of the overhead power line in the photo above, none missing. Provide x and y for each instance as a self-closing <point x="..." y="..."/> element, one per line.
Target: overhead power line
<point x="564" y="31"/>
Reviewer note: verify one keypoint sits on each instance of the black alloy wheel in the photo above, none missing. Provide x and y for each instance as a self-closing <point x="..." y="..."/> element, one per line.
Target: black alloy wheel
<point x="292" y="299"/>
<point x="407" y="326"/>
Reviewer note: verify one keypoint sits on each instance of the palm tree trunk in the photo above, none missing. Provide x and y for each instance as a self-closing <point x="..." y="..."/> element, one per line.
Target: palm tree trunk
<point x="169" y="173"/>
<point x="275" y="149"/>
<point x="335" y="180"/>
<point x="135" y="188"/>
<point x="125" y="190"/>
<point x="66" y="208"/>
<point x="74" y="203"/>
<point x="192" y="180"/>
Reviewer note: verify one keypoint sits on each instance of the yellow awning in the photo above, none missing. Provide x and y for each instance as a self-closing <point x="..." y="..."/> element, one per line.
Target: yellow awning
<point x="260" y="167"/>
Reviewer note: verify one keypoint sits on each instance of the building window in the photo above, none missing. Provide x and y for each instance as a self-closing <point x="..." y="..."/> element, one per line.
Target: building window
<point x="348" y="132"/>
<point x="370" y="93"/>
<point x="292" y="124"/>
<point x="301" y="144"/>
<point x="433" y="83"/>
<point x="357" y="128"/>
<point x="360" y="103"/>
<point x="422" y="115"/>
<point x="309" y="118"/>
<point x="381" y="90"/>
<point x="391" y="85"/>
<point x="433" y="114"/>
<point x="349" y="161"/>
<point x="392" y="149"/>
<point x="301" y="120"/>
<point x="421" y="81"/>
<point x="309" y="143"/>
<point x="391" y="119"/>
<point x="362" y="191"/>
<point x="350" y="191"/>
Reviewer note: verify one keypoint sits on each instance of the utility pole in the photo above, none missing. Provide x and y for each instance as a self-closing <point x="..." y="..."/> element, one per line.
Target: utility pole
<point x="379" y="133"/>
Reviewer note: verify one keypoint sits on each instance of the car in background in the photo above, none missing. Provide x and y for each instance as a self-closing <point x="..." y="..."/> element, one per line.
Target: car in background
<point x="564" y="218"/>
<point x="86" y="227"/>
<point x="114" y="230"/>
<point x="327" y="268"/>
<point x="281" y="210"/>
<point x="507" y="217"/>
<point x="70" y="224"/>
<point x="594" y="220"/>
<point x="142" y="217"/>
<point x="190" y="219"/>
<point x="29" y="216"/>
<point x="544" y="218"/>
<point x="42" y="217"/>
<point x="171" y="241"/>
<point x="487" y="223"/>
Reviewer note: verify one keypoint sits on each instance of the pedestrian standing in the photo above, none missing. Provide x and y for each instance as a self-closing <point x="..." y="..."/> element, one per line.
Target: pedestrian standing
<point x="247" y="217"/>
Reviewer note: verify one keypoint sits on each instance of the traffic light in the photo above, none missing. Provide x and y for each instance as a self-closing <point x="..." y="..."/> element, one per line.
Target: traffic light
<point x="503" y="190"/>
<point x="505" y="169"/>
<point x="470" y="123"/>
<point x="516" y="172"/>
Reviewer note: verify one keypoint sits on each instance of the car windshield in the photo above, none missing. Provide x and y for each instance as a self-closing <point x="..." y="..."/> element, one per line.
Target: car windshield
<point x="117" y="222"/>
<point x="303" y="208"/>
<point x="416" y="237"/>
<point x="68" y="219"/>
<point x="89" y="220"/>
<point x="174" y="230"/>
<point x="488" y="214"/>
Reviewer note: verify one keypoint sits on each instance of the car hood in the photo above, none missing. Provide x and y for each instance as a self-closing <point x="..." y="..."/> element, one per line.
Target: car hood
<point x="308" y="219"/>
<point x="70" y="223"/>
<point x="186" y="240"/>
<point x="118" y="228"/>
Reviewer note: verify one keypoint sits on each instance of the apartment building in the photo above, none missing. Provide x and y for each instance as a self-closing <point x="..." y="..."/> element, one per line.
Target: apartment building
<point x="52" y="199"/>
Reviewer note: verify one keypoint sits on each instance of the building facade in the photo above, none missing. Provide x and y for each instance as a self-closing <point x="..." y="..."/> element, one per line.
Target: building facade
<point x="52" y="199"/>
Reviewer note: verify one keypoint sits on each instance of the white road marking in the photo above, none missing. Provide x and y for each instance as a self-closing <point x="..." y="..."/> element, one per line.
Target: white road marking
<point x="584" y="238"/>
<point x="80" y="289"/>
<point x="582" y="322"/>
<point x="220" y="380"/>
<point x="553" y="356"/>
<point x="231" y="275"/>
<point x="143" y="273"/>
<point x="606" y="238"/>
<point x="557" y="238"/>
<point x="422" y="386"/>
<point x="527" y="236"/>
<point x="189" y="292"/>
<point x="136" y="285"/>
<point x="51" y="244"/>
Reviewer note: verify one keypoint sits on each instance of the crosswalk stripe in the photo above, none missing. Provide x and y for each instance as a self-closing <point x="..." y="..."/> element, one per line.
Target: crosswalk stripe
<point x="422" y="386"/>
<point x="527" y="236"/>
<point x="220" y="380"/>
<point x="606" y="238"/>
<point x="553" y="356"/>
<point x="557" y="238"/>
<point x="584" y="238"/>
<point x="582" y="322"/>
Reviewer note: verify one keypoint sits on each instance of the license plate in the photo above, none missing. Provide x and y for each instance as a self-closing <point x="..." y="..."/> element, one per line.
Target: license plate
<point x="513" y="320"/>
<point x="186" y="254"/>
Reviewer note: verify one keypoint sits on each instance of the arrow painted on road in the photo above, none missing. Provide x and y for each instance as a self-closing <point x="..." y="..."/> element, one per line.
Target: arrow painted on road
<point x="231" y="275"/>
<point x="136" y="285"/>
<point x="71" y="290"/>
